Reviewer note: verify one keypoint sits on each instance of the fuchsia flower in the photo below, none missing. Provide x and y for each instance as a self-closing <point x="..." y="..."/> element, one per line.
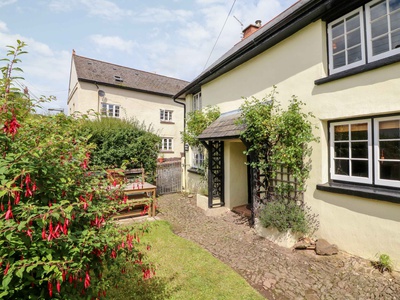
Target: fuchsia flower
<point x="11" y="126"/>
<point x="9" y="214"/>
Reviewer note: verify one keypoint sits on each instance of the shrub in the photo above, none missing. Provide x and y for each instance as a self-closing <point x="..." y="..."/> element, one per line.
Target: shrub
<point x="56" y="234"/>
<point x="123" y="141"/>
<point x="285" y="215"/>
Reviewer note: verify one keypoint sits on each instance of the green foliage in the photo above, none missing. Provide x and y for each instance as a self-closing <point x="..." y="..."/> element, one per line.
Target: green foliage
<point x="279" y="139"/>
<point x="119" y="141"/>
<point x="197" y="121"/>
<point x="285" y="215"/>
<point x="383" y="264"/>
<point x="56" y="233"/>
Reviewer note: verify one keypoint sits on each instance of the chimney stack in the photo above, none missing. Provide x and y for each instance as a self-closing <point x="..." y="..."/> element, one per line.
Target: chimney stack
<point x="249" y="30"/>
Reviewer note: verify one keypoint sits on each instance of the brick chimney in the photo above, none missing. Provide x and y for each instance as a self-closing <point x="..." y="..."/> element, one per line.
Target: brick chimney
<point x="249" y="30"/>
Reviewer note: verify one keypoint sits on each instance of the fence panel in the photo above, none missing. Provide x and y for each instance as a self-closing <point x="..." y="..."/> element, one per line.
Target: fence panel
<point x="169" y="177"/>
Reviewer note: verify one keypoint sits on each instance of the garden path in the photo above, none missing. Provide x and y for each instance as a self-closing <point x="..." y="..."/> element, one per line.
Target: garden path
<point x="276" y="272"/>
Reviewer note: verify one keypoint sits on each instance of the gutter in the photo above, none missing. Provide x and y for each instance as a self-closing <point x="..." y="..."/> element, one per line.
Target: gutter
<point x="309" y="12"/>
<point x="184" y="130"/>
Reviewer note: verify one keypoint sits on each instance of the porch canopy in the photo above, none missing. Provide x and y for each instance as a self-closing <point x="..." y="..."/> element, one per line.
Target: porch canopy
<point x="212" y="137"/>
<point x="223" y="128"/>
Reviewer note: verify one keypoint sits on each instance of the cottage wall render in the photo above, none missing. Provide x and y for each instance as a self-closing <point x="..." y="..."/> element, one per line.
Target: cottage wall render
<point x="357" y="225"/>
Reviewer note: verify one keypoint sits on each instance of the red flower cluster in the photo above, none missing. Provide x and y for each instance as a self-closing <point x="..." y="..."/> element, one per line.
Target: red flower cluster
<point x="11" y="126"/>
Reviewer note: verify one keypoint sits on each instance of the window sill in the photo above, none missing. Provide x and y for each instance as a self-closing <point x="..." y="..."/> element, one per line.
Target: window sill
<point x="196" y="171"/>
<point x="377" y="193"/>
<point x="166" y="122"/>
<point x="361" y="69"/>
<point x="166" y="151"/>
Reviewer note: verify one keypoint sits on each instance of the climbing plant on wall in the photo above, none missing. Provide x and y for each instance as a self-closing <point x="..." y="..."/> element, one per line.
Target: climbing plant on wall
<point x="279" y="139"/>
<point x="196" y="122"/>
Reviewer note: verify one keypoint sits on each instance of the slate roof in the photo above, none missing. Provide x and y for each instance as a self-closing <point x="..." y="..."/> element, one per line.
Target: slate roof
<point x="224" y="127"/>
<point x="284" y="25"/>
<point x="100" y="72"/>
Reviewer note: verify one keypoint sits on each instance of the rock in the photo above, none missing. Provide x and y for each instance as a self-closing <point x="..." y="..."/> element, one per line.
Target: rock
<point x="322" y="247"/>
<point x="190" y="196"/>
<point x="303" y="243"/>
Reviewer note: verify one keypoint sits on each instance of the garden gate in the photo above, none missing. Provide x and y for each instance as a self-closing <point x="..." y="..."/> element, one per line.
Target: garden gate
<point x="169" y="177"/>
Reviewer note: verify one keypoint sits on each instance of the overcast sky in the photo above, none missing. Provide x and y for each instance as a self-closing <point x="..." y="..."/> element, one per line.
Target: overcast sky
<point x="172" y="38"/>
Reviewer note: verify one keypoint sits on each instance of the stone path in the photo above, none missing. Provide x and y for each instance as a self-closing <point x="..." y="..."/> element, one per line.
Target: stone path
<point x="276" y="272"/>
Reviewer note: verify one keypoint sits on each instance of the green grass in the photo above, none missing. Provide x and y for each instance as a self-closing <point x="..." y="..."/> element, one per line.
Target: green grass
<point x="184" y="271"/>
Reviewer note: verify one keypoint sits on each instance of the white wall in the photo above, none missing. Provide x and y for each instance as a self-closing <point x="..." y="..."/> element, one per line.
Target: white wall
<point x="361" y="226"/>
<point x="142" y="106"/>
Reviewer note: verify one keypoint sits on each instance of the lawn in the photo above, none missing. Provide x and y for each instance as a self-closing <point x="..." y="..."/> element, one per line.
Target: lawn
<point x="184" y="271"/>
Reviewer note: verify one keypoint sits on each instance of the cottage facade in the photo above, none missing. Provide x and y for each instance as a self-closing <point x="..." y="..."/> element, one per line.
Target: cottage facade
<point x="342" y="58"/>
<point x="120" y="92"/>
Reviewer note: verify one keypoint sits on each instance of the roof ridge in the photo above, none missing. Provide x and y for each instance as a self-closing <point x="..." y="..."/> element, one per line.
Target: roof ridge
<point x="129" y="68"/>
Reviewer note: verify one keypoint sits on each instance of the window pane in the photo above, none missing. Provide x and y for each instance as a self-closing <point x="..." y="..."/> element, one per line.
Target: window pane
<point x="395" y="20"/>
<point x="359" y="131"/>
<point x="353" y="38"/>
<point x="341" y="150"/>
<point x="116" y="113"/>
<point x="389" y="150"/>
<point x="339" y="60"/>
<point x="389" y="129"/>
<point x="390" y="170"/>
<point x="353" y="22"/>
<point x="395" y="39"/>
<point x="354" y="54"/>
<point x="379" y="27"/>
<point x="378" y="10"/>
<point x="338" y="44"/>
<point x="338" y="29"/>
<point x="394" y="4"/>
<point x="380" y="45"/>
<point x="359" y="149"/>
<point x="341" y="167"/>
<point x="359" y="168"/>
<point x="341" y="133"/>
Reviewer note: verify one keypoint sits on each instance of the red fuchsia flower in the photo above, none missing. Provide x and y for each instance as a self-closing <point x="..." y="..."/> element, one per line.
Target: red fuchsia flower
<point x="11" y="126"/>
<point x="17" y="197"/>
<point x="87" y="280"/>
<point x="9" y="214"/>
<point x="113" y="254"/>
<point x="43" y="233"/>
<point x="2" y="206"/>
<point x="58" y="286"/>
<point x="7" y="268"/>
<point x="50" y="288"/>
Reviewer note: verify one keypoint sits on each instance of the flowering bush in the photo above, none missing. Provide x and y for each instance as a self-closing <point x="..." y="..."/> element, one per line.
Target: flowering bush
<point x="56" y="237"/>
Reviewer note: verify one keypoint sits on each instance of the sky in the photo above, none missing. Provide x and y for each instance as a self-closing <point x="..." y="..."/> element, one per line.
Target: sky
<point x="176" y="38"/>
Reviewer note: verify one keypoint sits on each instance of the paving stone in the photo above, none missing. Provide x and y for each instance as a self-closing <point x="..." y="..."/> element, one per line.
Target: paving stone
<point x="276" y="272"/>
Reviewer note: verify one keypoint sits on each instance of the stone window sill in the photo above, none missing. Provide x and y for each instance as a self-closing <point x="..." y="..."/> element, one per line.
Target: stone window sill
<point x="369" y="192"/>
<point x="195" y="171"/>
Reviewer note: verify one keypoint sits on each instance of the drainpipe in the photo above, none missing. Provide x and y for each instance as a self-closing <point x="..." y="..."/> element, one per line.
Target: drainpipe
<point x="184" y="130"/>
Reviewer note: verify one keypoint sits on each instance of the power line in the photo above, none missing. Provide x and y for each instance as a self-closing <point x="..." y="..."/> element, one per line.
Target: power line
<point x="223" y="26"/>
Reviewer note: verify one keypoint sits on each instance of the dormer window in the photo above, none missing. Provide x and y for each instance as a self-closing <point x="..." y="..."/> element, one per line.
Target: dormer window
<point x="118" y="78"/>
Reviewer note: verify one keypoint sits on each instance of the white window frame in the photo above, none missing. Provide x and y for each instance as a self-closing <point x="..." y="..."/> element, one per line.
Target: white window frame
<point x="391" y="52"/>
<point x="197" y="102"/>
<point x="351" y="178"/>
<point x="378" y="159"/>
<point x="167" y="144"/>
<point x="347" y="66"/>
<point x="197" y="158"/>
<point x="116" y="109"/>
<point x="166" y="115"/>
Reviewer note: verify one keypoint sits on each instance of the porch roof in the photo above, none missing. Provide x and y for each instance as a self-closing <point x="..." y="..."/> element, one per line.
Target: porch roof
<point x="224" y="127"/>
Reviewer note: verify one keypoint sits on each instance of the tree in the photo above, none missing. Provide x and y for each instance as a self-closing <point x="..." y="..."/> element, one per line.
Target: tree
<point x="56" y="234"/>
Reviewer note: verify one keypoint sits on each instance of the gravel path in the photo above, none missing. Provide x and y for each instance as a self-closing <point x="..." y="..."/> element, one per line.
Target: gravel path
<point x="276" y="272"/>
